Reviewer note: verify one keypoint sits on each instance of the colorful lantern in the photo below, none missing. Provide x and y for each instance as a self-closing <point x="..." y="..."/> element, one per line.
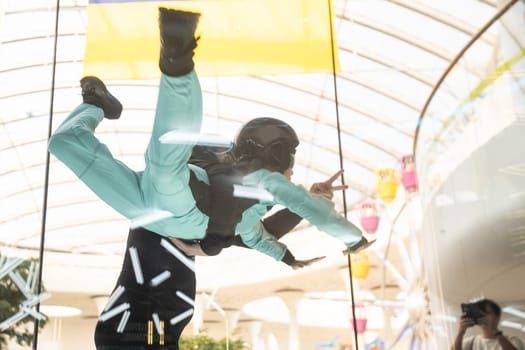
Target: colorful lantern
<point x="376" y="344"/>
<point x="408" y="173"/>
<point x="360" y="265"/>
<point x="387" y="184"/>
<point x="369" y="217"/>
<point x="360" y="317"/>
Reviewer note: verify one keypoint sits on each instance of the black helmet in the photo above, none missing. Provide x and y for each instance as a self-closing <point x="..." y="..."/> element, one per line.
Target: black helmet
<point x="268" y="139"/>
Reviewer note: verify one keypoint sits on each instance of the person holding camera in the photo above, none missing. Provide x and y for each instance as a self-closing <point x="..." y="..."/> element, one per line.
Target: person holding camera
<point x="485" y="313"/>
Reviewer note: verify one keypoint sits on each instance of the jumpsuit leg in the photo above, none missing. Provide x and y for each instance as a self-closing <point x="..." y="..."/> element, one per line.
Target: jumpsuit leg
<point x="164" y="185"/>
<point x="165" y="181"/>
<point x="75" y="144"/>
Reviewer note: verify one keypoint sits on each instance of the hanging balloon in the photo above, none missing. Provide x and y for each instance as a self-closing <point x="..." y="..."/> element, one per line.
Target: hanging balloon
<point x="387" y="184"/>
<point x="360" y="265"/>
<point x="369" y="217"/>
<point x="408" y="173"/>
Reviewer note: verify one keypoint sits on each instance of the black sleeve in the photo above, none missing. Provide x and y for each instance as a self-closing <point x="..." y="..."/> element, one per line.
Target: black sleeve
<point x="281" y="222"/>
<point x="238" y="241"/>
<point x="213" y="244"/>
<point x="288" y="258"/>
<point x="277" y="225"/>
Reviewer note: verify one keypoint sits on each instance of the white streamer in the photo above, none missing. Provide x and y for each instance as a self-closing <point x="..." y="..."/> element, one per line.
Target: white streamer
<point x="156" y="320"/>
<point x="186" y="138"/>
<point x="153" y="216"/>
<point x="171" y="249"/>
<point x="114" y="297"/>
<point x="155" y="281"/>
<point x="252" y="193"/>
<point x="123" y="321"/>
<point x="185" y="298"/>
<point x="135" y="262"/>
<point x="181" y="317"/>
<point x="113" y="312"/>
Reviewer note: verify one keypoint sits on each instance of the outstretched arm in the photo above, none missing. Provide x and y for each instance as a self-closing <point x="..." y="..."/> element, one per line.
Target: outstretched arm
<point x="263" y="235"/>
<point x="317" y="209"/>
<point x="283" y="222"/>
<point x="276" y="226"/>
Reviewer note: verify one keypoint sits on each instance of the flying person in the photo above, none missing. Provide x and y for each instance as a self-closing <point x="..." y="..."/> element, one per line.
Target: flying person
<point x="200" y="202"/>
<point x="197" y="201"/>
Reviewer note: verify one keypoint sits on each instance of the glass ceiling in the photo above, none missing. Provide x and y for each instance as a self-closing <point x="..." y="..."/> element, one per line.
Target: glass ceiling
<point x="391" y="54"/>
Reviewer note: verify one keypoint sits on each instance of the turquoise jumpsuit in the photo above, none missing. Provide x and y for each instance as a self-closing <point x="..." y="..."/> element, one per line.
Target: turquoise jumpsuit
<point x="163" y="185"/>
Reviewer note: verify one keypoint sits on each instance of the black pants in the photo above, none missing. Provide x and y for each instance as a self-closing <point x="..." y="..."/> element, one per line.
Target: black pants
<point x="145" y="300"/>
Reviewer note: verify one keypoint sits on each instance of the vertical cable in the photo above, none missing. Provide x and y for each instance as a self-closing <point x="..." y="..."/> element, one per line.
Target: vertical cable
<point x="46" y="179"/>
<point x="334" y="76"/>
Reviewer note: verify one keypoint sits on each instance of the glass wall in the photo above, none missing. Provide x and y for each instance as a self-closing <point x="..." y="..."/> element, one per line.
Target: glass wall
<point x="470" y="165"/>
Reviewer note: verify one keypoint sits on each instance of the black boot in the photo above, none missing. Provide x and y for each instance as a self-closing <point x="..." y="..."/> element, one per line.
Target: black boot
<point x="177" y="41"/>
<point x="95" y="92"/>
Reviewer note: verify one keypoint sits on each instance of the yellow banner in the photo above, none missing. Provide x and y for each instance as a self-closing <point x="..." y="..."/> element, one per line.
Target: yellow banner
<point x="238" y="37"/>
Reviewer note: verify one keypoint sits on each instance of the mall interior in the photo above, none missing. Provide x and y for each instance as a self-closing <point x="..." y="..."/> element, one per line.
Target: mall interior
<point x="421" y="102"/>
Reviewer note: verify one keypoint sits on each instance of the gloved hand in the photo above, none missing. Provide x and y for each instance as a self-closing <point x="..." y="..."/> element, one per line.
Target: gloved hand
<point x="361" y="245"/>
<point x="298" y="264"/>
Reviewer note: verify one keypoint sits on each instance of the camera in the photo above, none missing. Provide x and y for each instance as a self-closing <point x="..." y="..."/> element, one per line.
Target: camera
<point x="473" y="310"/>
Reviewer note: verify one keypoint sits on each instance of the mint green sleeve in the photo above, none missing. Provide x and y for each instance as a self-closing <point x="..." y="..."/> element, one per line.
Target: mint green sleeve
<point x="317" y="210"/>
<point x="255" y="236"/>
